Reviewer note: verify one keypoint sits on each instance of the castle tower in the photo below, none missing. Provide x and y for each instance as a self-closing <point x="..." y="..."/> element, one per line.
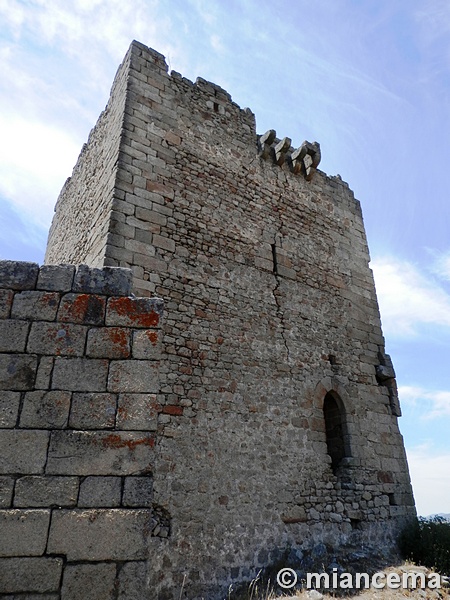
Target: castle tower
<point x="279" y="422"/>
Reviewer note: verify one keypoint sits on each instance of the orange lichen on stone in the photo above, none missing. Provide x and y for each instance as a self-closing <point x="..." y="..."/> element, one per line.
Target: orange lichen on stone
<point x="133" y="311"/>
<point x="117" y="441"/>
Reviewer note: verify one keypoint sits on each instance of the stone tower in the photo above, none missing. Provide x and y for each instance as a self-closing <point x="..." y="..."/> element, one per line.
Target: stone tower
<point x="278" y="427"/>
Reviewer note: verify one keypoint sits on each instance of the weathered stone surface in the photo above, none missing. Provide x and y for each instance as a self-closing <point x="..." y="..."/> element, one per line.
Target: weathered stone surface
<point x="93" y="411"/>
<point x="9" y="408"/>
<point x="23" y="451"/>
<point x="45" y="410"/>
<point x="6" y="491"/>
<point x="100" y="492"/>
<point x="87" y="309"/>
<point x="133" y="376"/>
<point x="138" y="491"/>
<point x="110" y="281"/>
<point x="59" y="339"/>
<point x="110" y="342"/>
<point x="13" y="335"/>
<point x="35" y="305"/>
<point x="18" y="275"/>
<point x="30" y="575"/>
<point x="89" y="582"/>
<point x="56" y="278"/>
<point x="44" y="373"/>
<point x="96" y="534"/>
<point x="6" y="300"/>
<point x="99" y="452"/>
<point x="133" y="581"/>
<point x="17" y="371"/>
<point x="39" y="491"/>
<point x="24" y="532"/>
<point x="147" y="344"/>
<point x="134" y="312"/>
<point x="138" y="411"/>
<point x="80" y="374"/>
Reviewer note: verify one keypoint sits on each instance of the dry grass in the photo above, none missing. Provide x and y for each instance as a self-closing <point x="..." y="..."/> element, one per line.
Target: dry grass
<point x="256" y="593"/>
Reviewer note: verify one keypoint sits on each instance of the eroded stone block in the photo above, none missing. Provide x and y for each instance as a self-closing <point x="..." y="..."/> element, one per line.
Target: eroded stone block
<point x="96" y="534"/>
<point x="24" y="532"/>
<point x="18" y="275"/>
<point x="99" y="452"/>
<point x="38" y="575"/>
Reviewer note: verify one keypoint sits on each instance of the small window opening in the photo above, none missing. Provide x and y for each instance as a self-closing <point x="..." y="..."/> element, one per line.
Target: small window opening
<point x="337" y="444"/>
<point x="332" y="359"/>
<point x="216" y="107"/>
<point x="355" y="523"/>
<point x="392" y="500"/>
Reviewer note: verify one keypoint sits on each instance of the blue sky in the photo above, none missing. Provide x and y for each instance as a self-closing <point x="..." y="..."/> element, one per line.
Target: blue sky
<point x="368" y="79"/>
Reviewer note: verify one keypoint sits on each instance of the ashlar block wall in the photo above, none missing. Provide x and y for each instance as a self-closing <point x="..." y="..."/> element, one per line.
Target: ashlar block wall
<point x="283" y="425"/>
<point x="79" y="408"/>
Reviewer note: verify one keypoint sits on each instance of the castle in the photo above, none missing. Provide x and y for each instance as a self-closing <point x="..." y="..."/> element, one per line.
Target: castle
<point x="220" y="402"/>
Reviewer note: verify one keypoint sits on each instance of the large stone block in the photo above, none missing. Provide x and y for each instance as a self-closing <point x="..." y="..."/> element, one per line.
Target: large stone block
<point x="24" y="532"/>
<point x="133" y="376"/>
<point x="138" y="491"/>
<point x="42" y="410"/>
<point x="133" y="581"/>
<point x="138" y="412"/>
<point x="134" y="312"/>
<point x="23" y="452"/>
<point x="20" y="575"/>
<point x="56" y="278"/>
<point x="93" y="411"/>
<point x="18" y="275"/>
<point x="96" y="534"/>
<point x="110" y="281"/>
<point x="89" y="582"/>
<point x="35" y="305"/>
<point x="99" y="453"/>
<point x="147" y="344"/>
<point x="17" y="371"/>
<point x="34" y="491"/>
<point x="100" y="492"/>
<point x="60" y="339"/>
<point x="13" y="335"/>
<point x="109" y="342"/>
<point x="87" y="309"/>
<point x="80" y="374"/>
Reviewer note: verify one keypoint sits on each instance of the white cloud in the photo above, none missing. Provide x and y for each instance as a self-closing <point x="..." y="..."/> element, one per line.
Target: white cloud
<point x="35" y="160"/>
<point x="57" y="62"/>
<point x="432" y="404"/>
<point x="430" y="479"/>
<point x="408" y="299"/>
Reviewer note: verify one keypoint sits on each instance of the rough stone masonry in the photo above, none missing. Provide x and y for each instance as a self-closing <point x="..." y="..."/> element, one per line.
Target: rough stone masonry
<point x="257" y="424"/>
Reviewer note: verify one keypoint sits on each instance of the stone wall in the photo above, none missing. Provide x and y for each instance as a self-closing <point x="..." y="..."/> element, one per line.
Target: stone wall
<point x="283" y="429"/>
<point x="82" y="219"/>
<point x="79" y="408"/>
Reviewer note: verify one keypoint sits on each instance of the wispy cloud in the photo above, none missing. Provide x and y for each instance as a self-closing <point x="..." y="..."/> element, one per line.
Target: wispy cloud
<point x="441" y="266"/>
<point x="430" y="479"/>
<point x="432" y="404"/>
<point x="408" y="298"/>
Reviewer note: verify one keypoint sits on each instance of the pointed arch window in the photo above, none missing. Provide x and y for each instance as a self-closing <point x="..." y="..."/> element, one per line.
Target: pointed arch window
<point x="338" y="446"/>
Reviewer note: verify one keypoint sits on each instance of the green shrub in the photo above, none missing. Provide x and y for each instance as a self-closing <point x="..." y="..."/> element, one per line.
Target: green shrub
<point x="427" y="542"/>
